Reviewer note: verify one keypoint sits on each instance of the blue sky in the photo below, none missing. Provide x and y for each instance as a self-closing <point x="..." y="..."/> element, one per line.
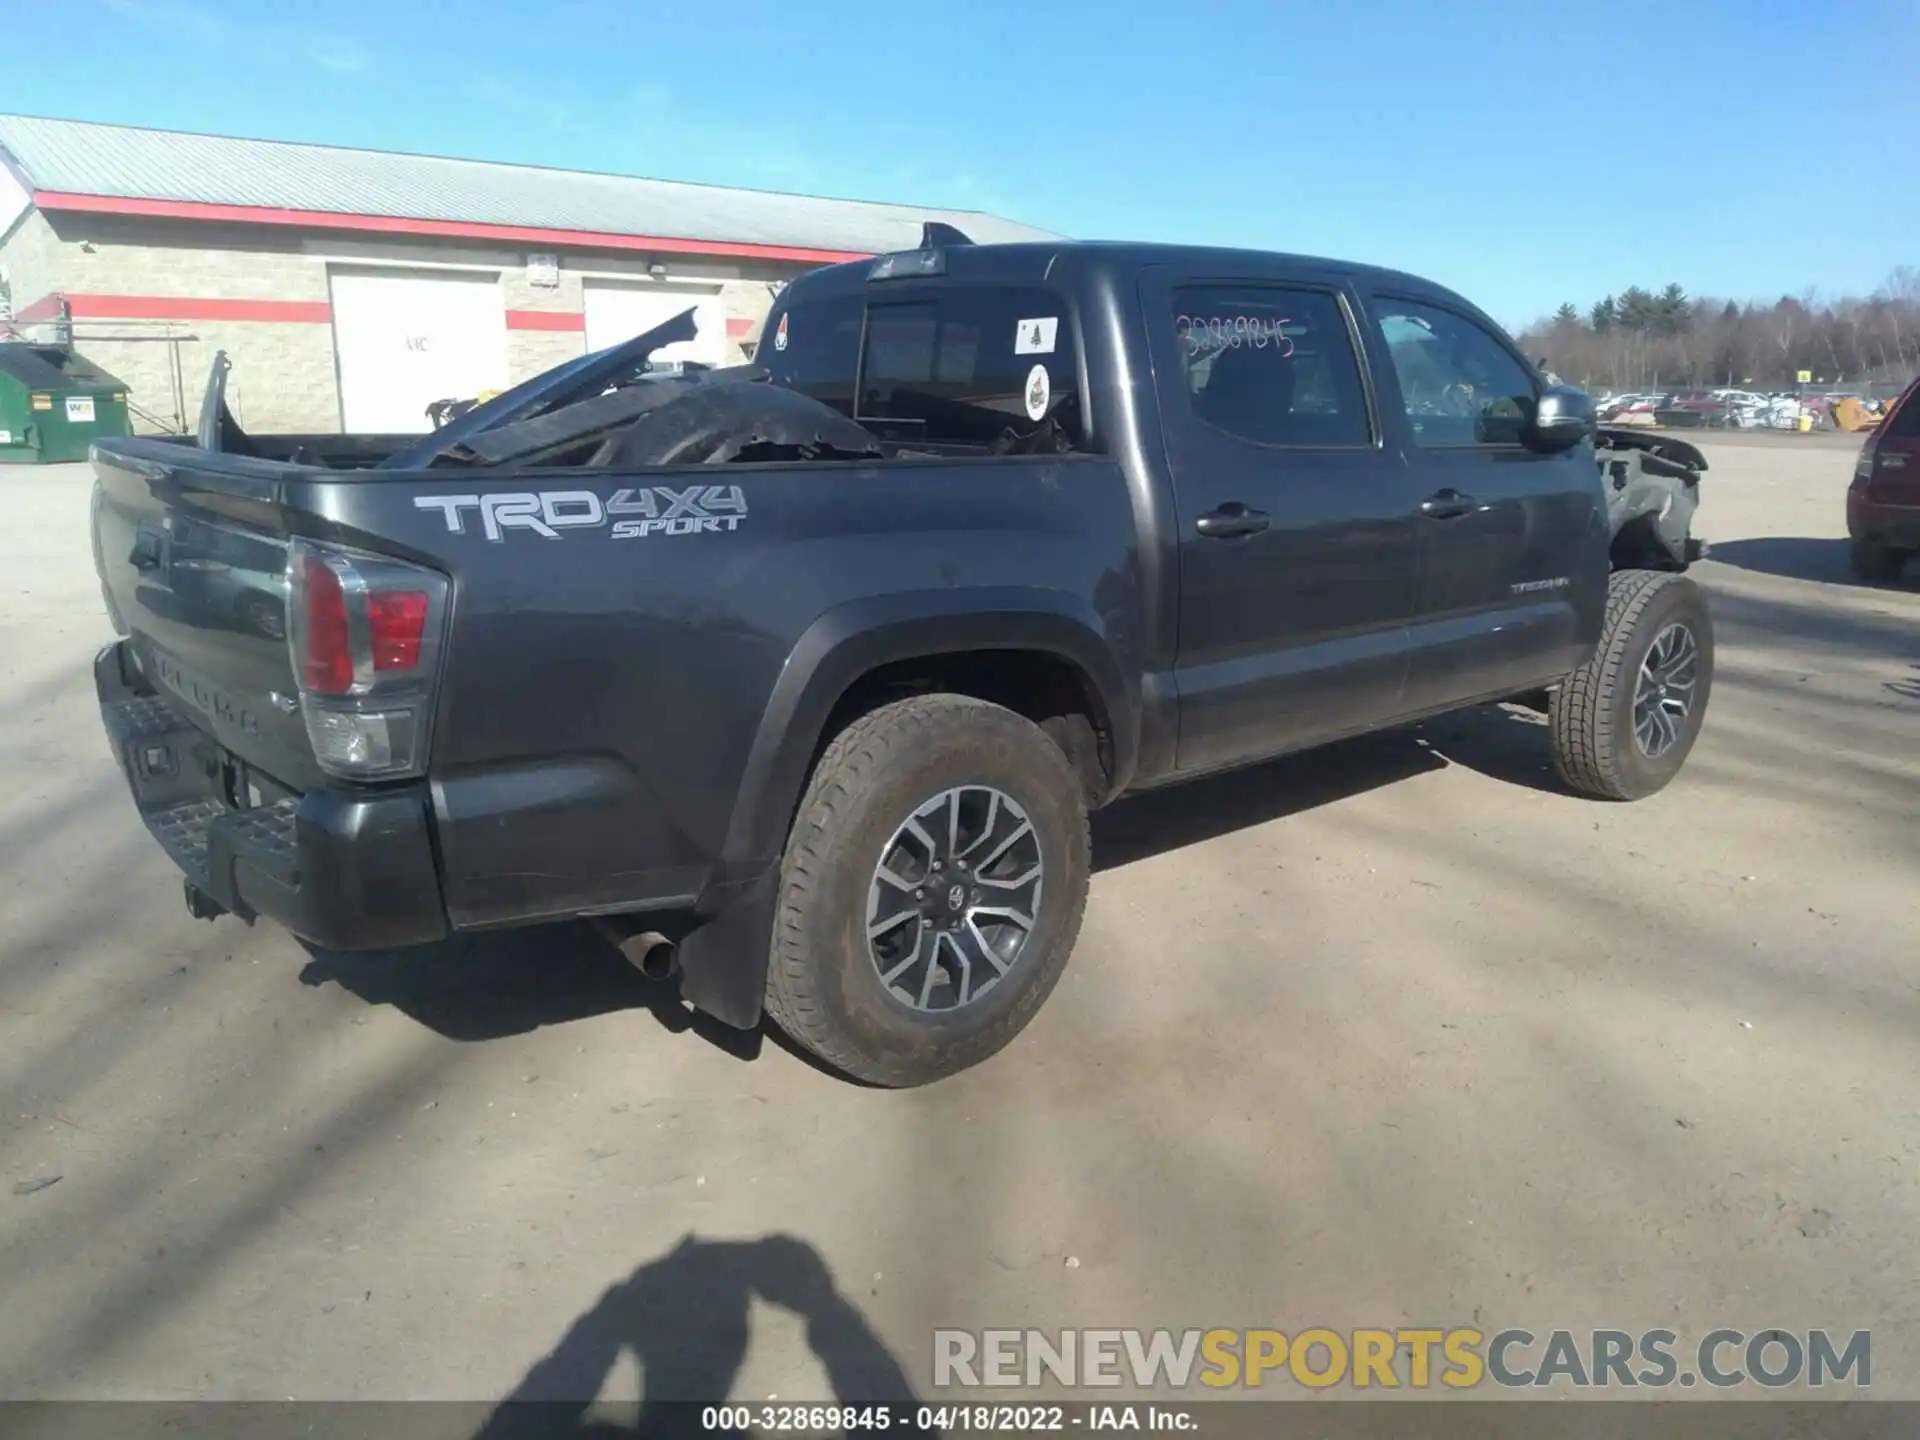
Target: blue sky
<point x="1522" y="153"/>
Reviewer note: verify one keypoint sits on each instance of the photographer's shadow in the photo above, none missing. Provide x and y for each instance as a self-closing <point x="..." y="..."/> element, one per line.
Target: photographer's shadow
<point x="685" y="1320"/>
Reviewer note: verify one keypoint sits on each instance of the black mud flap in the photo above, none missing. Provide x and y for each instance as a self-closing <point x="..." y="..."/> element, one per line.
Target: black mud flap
<point x="723" y="962"/>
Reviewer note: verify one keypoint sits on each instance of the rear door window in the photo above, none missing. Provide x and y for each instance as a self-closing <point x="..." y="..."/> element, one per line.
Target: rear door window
<point x="1272" y="365"/>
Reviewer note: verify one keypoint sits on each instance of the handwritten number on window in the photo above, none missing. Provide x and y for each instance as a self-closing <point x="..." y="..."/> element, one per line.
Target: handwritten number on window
<point x="1203" y="335"/>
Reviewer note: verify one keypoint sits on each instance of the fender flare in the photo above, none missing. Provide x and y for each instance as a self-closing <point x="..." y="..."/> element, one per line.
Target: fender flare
<point x="850" y="640"/>
<point x="724" y="958"/>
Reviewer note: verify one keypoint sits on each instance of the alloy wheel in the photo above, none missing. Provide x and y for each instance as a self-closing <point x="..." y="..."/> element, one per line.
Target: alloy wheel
<point x="954" y="898"/>
<point x="1663" y="694"/>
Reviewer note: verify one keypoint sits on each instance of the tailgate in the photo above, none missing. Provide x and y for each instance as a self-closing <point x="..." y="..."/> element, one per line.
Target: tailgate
<point x="305" y="658"/>
<point x="192" y="555"/>
<point x="1895" y="477"/>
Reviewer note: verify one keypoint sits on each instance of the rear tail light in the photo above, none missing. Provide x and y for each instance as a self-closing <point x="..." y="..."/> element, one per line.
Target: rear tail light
<point x="397" y="623"/>
<point x="365" y="637"/>
<point x="1863" y="467"/>
<point x="325" y="653"/>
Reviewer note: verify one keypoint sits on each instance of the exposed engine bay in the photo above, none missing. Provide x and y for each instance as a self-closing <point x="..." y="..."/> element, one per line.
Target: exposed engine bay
<point x="1653" y="489"/>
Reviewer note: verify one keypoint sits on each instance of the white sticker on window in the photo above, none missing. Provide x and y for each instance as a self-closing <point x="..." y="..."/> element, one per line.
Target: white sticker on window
<point x="6" y="437"/>
<point x="1039" y="392"/>
<point x="1035" y="337"/>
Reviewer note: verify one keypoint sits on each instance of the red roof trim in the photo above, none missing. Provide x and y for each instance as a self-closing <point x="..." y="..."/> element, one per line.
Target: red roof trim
<point x="446" y="229"/>
<point x="188" y="307"/>
<point x="47" y="307"/>
<point x="82" y="306"/>
<point x="285" y="312"/>
<point x="546" y="320"/>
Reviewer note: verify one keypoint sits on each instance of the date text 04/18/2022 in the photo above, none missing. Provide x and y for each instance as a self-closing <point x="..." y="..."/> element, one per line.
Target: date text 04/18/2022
<point x="943" y="1419"/>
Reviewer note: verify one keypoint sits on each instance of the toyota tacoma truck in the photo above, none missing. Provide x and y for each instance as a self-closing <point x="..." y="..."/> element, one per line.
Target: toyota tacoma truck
<point x="808" y="673"/>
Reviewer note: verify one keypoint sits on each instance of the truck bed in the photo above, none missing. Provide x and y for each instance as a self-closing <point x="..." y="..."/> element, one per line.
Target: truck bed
<point x="618" y="683"/>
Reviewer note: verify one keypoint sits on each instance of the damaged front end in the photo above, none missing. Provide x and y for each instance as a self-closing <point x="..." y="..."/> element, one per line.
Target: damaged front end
<point x="1653" y="489"/>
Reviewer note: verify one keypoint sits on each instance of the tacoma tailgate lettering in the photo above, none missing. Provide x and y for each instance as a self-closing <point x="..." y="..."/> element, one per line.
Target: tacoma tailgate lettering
<point x="661" y="510"/>
<point x="209" y="699"/>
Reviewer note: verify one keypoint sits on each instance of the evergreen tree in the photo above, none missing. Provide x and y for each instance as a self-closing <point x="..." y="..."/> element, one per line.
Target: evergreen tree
<point x="1672" y="311"/>
<point x="1637" y="309"/>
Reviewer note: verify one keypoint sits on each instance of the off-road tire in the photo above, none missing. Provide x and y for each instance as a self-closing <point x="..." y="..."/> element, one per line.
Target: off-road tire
<point x="822" y="987"/>
<point x="1591" y="717"/>
<point x="1876" y="562"/>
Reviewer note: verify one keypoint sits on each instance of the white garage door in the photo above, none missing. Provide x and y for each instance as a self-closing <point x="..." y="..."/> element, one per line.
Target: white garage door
<point x="619" y="312"/>
<point x="404" y="339"/>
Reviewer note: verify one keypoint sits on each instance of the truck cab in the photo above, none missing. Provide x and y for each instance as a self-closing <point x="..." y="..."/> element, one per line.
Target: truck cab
<point x="1346" y="515"/>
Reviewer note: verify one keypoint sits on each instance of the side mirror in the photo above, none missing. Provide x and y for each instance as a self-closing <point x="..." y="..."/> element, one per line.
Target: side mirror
<point x="1562" y="419"/>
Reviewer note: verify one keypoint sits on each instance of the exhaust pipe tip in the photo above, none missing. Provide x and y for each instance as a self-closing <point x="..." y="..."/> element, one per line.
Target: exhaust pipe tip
<point x="648" y="951"/>
<point x="652" y="954"/>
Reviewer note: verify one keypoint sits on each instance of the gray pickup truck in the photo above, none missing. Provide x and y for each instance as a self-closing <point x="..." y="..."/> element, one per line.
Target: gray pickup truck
<point x="804" y="676"/>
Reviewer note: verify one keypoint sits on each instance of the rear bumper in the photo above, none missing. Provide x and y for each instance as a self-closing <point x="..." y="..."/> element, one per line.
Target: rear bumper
<point x="343" y="870"/>
<point x="1897" y="526"/>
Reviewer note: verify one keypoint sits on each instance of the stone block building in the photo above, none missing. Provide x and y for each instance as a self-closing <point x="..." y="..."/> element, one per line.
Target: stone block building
<point x="352" y="288"/>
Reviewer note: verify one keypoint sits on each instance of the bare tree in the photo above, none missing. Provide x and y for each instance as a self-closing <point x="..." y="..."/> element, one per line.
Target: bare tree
<point x="1784" y="329"/>
<point x="1642" y="336"/>
<point x="1902" y="289"/>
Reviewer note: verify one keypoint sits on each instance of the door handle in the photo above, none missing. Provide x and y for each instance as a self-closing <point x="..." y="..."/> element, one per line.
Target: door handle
<point x="1231" y="521"/>
<point x="1448" y="504"/>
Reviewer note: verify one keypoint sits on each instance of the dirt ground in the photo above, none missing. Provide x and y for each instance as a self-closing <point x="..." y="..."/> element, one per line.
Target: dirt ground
<point x="1392" y="1034"/>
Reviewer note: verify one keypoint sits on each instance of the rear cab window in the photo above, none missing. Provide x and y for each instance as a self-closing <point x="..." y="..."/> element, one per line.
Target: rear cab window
<point x="815" y="348"/>
<point x="950" y="367"/>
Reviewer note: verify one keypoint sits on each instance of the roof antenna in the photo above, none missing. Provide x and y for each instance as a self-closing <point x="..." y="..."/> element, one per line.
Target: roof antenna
<point x="934" y="234"/>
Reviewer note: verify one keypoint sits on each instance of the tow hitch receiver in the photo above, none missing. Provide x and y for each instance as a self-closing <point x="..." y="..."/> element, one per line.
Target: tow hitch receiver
<point x="201" y="905"/>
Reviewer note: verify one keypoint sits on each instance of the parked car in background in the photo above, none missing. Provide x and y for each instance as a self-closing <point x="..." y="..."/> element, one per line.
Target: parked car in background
<point x="1633" y="402"/>
<point x="1694" y="409"/>
<point x="1883" y="503"/>
<point x="1778" y="412"/>
<point x="1745" y="408"/>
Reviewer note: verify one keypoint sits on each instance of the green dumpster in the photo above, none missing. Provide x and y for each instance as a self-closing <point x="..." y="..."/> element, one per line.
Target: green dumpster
<point x="54" y="403"/>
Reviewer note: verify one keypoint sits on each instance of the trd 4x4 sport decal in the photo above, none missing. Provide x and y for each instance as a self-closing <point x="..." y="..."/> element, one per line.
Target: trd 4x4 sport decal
<point x="629" y="514"/>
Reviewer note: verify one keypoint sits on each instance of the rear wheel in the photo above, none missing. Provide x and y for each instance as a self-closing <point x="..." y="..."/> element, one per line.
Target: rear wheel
<point x="1624" y="723"/>
<point x="1875" y="561"/>
<point x="931" y="890"/>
